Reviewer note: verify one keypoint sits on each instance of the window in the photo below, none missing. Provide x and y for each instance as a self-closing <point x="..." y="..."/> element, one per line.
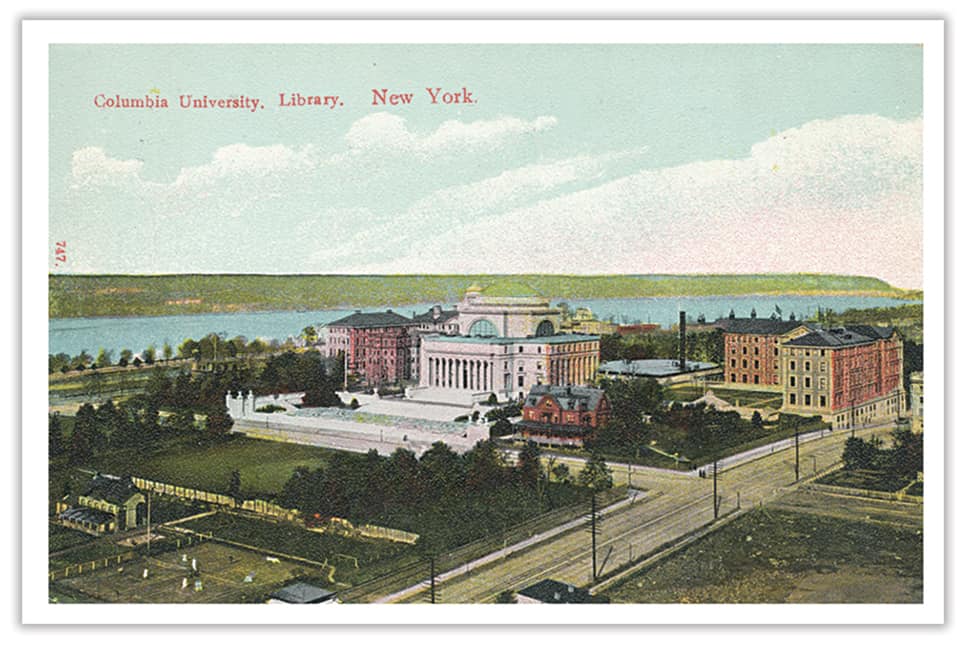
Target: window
<point x="822" y="352"/>
<point x="791" y="365"/>
<point x="757" y="364"/>
<point x="821" y="365"/>
<point x="744" y="378"/>
<point x="734" y="378"/>
<point x="776" y="351"/>
<point x="791" y="398"/>
<point x="520" y="349"/>
<point x="808" y="400"/>
<point x="757" y="379"/>
<point x="757" y="351"/>
<point x="808" y="366"/>
<point x="521" y="380"/>
<point x="744" y="363"/>
<point x="808" y="382"/>
<point x="821" y="400"/>
<point x="791" y="381"/>
<point x="744" y="350"/>
<point x="734" y="362"/>
<point x="821" y="382"/>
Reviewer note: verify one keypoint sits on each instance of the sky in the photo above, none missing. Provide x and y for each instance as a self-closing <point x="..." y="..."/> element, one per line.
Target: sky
<point x="587" y="159"/>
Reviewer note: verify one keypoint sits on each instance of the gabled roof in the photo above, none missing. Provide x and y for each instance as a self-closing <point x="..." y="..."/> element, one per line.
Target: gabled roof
<point x="302" y="593"/>
<point x="841" y="337"/>
<point x="752" y="326"/>
<point x="385" y="319"/>
<point x="112" y="489"/>
<point x="569" y="398"/>
<point x="553" y="592"/>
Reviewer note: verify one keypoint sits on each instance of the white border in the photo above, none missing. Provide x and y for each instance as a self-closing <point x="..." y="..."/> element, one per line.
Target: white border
<point x="37" y="35"/>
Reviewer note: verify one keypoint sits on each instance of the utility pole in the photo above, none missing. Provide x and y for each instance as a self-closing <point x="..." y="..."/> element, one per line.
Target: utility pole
<point x="592" y="528"/>
<point x="148" y="525"/>
<point x="715" y="488"/>
<point x="796" y="456"/>
<point x="433" y="577"/>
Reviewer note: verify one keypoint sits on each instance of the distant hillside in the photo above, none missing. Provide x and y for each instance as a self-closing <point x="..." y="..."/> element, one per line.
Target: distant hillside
<point x="111" y="295"/>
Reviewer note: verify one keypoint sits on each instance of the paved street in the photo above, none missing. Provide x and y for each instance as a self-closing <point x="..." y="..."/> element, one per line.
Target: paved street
<point x="678" y="505"/>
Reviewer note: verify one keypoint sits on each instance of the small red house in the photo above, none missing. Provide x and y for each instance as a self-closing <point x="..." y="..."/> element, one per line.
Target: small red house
<point x="562" y="415"/>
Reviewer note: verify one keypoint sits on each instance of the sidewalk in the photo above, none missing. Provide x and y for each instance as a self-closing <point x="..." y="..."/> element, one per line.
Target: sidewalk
<point x="631" y="498"/>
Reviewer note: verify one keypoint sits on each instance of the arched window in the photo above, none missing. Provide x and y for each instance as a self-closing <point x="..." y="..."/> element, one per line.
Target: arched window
<point x="483" y="328"/>
<point x="545" y="329"/>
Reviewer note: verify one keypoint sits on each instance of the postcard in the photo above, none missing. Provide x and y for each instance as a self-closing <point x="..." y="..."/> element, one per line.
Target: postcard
<point x="345" y="323"/>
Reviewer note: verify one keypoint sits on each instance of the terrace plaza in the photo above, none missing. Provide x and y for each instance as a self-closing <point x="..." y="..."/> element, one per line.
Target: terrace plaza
<point x="509" y="341"/>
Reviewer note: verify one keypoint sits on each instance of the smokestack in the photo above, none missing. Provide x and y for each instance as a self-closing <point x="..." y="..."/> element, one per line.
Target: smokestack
<point x="683" y="341"/>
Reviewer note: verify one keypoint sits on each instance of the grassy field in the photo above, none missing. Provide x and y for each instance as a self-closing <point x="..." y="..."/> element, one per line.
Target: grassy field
<point x="355" y="560"/>
<point x="264" y="466"/>
<point x="112" y="295"/>
<point x="865" y="480"/>
<point x="759" y="399"/>
<point x="773" y="556"/>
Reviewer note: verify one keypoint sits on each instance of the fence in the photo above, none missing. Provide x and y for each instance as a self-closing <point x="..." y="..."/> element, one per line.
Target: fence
<point x="418" y="569"/>
<point x="868" y="494"/>
<point x="88" y="566"/>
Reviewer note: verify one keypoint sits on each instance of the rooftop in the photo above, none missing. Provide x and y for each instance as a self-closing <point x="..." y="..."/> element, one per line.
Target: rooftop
<point x="553" y="592"/>
<point x="841" y="337"/>
<point x="551" y="339"/>
<point x="435" y="314"/>
<point x="385" y="319"/>
<point x="568" y="397"/>
<point x="302" y="593"/>
<point x="652" y="367"/>
<point x="112" y="489"/>
<point x="753" y="326"/>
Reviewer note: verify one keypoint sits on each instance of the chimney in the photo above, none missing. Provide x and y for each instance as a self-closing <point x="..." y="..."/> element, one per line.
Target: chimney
<point x="683" y="340"/>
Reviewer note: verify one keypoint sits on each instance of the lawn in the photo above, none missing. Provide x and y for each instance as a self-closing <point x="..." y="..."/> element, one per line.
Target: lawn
<point x="768" y="399"/>
<point x="865" y="480"/>
<point x="774" y="556"/>
<point x="264" y="466"/>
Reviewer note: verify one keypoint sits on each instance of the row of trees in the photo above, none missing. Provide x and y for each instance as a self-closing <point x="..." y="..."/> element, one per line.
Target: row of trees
<point x="446" y="497"/>
<point x="903" y="459"/>
<point x="135" y="423"/>
<point x="706" y="346"/>
<point x="287" y="372"/>
<point x="211" y="347"/>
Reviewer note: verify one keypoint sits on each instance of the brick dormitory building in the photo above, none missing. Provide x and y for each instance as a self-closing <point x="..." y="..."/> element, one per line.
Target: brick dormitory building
<point x="851" y="376"/>
<point x="752" y="349"/>
<point x="376" y="345"/>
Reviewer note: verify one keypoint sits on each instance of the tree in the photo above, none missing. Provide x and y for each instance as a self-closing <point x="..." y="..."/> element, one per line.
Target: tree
<point x="756" y="420"/>
<point x="235" y="484"/>
<point x="505" y="597"/>
<point x="309" y="335"/>
<point x="907" y="453"/>
<point x="218" y="422"/>
<point x="561" y="473"/>
<point x="183" y="421"/>
<point x="858" y="454"/>
<point x="502" y="427"/>
<point x="125" y="358"/>
<point x="104" y="358"/>
<point x="84" y="440"/>
<point x="528" y="466"/>
<point x="189" y="349"/>
<point x="167" y="351"/>
<point x="596" y="474"/>
<point x="149" y="355"/>
<point x="55" y="436"/>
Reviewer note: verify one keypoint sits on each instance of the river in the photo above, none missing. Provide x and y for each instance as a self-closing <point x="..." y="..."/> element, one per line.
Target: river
<point x="71" y="336"/>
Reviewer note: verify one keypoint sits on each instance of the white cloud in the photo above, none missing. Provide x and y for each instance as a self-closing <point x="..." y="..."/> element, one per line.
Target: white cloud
<point x="840" y="196"/>
<point x="248" y="162"/>
<point x="384" y="132"/>
<point x="91" y="166"/>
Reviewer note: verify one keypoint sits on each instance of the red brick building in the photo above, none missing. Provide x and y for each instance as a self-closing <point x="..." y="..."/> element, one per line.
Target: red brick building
<point x="377" y="346"/>
<point x="562" y="415"/>
<point x="851" y="376"/>
<point x="752" y="351"/>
